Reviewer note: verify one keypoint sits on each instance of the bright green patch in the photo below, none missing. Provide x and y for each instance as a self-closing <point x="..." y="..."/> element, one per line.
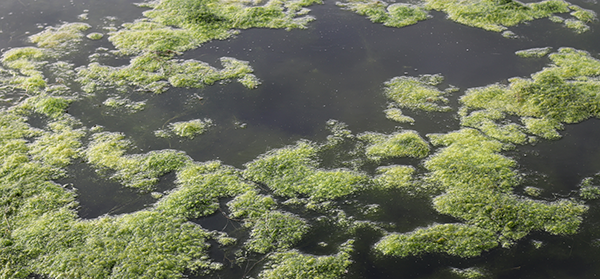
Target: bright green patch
<point x="534" y="52"/>
<point x="292" y="171"/>
<point x="498" y="15"/>
<point x="50" y="106"/>
<point x="533" y="191"/>
<point x="396" y="115"/>
<point x="155" y="72"/>
<point x="251" y="205"/>
<point x="107" y="151"/>
<point x="402" y="144"/>
<point x="417" y="92"/>
<point x="394" y="177"/>
<point x="62" y="38"/>
<point x="486" y="122"/>
<point x="394" y="15"/>
<point x="94" y="36"/>
<point x="293" y="264"/>
<point x="275" y="230"/>
<point x="545" y="128"/>
<point x="588" y="190"/>
<point x="199" y="187"/>
<point x="185" y="129"/>
<point x="452" y="239"/>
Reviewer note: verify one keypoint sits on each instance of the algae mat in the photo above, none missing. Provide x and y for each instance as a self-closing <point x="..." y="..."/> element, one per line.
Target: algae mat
<point x="299" y="139"/>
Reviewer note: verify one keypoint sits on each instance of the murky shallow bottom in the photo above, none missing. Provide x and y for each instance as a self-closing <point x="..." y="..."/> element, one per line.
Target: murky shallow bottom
<point x="335" y="70"/>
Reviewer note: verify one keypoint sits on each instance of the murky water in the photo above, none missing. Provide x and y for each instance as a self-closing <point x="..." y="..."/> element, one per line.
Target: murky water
<point x="335" y="70"/>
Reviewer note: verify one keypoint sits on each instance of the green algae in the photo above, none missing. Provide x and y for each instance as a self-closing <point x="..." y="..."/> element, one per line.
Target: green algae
<point x="293" y="171"/>
<point x="94" y="36"/>
<point x="564" y="92"/>
<point x="185" y="129"/>
<point x="534" y="52"/>
<point x="199" y="187"/>
<point x="107" y="151"/>
<point x="478" y="184"/>
<point x="417" y="92"/>
<point x="497" y="16"/>
<point x="394" y="15"/>
<point x="394" y="177"/>
<point x="123" y="104"/>
<point x="62" y="38"/>
<point x="294" y="264"/>
<point x="396" y="115"/>
<point x="453" y="239"/>
<point x="275" y="230"/>
<point x="533" y="191"/>
<point x="589" y="191"/>
<point x="155" y="72"/>
<point x="486" y="121"/>
<point x="401" y="144"/>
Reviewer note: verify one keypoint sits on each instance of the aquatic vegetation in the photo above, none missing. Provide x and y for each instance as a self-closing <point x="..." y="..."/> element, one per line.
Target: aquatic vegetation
<point x="95" y="36"/>
<point x="294" y="264"/>
<point x="61" y="38"/>
<point x="534" y="52"/>
<point x="453" y="239"/>
<point x="394" y="15"/>
<point x="485" y="121"/>
<point x="59" y="145"/>
<point x="124" y="104"/>
<point x="275" y="230"/>
<point x="292" y="171"/>
<point x="401" y="144"/>
<point x="417" y="92"/>
<point x="155" y="72"/>
<point x="533" y="191"/>
<point x="27" y="61"/>
<point x="396" y="115"/>
<point x="565" y="92"/>
<point x="53" y="107"/>
<point x="588" y="190"/>
<point x="185" y="129"/>
<point x="251" y="205"/>
<point x="469" y="273"/>
<point x="394" y="177"/>
<point x="106" y="151"/>
<point x="199" y="187"/>
<point x="499" y="15"/>
<point x="478" y="184"/>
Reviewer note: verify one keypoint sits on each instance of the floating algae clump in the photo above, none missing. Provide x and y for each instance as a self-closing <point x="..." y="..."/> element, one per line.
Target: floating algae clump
<point x="185" y="129"/>
<point x="453" y="239"/>
<point x="403" y="144"/>
<point x="43" y="235"/>
<point x="394" y="15"/>
<point x="293" y="264"/>
<point x="94" y="36"/>
<point x="485" y="121"/>
<point x="62" y="38"/>
<point x="199" y="187"/>
<point x="275" y="230"/>
<point x="393" y="177"/>
<point x="201" y="21"/>
<point x="292" y="171"/>
<point x="396" y="115"/>
<point x="106" y="151"/>
<point x="417" y="92"/>
<point x="496" y="16"/>
<point x="534" y="52"/>
<point x="478" y="184"/>
<point x="564" y="92"/>
<point x="154" y="72"/>
<point x="123" y="104"/>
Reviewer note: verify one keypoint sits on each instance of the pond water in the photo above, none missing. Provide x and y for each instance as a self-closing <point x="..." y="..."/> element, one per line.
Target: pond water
<point x="335" y="69"/>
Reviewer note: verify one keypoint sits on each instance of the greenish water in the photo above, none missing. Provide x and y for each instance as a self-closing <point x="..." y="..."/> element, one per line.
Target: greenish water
<point x="334" y="69"/>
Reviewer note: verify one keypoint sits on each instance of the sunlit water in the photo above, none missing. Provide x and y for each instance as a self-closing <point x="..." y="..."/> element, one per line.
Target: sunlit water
<point x="335" y="70"/>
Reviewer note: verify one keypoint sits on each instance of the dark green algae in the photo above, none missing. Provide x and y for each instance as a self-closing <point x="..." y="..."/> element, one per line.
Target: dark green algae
<point x="470" y="177"/>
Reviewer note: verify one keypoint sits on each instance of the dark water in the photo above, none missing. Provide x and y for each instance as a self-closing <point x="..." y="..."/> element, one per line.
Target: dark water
<point x="335" y="70"/>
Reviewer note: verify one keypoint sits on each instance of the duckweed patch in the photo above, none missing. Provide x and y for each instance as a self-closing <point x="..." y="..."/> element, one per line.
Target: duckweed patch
<point x="275" y="230"/>
<point x="62" y="38"/>
<point x="394" y="177"/>
<point x="534" y="52"/>
<point x="124" y="105"/>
